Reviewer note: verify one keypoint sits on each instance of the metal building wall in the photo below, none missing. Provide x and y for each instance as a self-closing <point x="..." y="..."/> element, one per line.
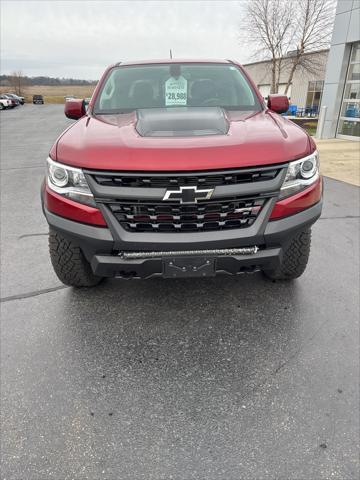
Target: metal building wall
<point x="346" y="31"/>
<point x="260" y="72"/>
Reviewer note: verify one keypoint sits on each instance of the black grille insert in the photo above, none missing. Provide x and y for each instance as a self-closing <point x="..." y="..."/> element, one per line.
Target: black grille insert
<point x="203" y="216"/>
<point x="180" y="180"/>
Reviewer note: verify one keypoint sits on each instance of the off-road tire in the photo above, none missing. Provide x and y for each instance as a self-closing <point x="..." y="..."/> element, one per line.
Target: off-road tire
<point x="295" y="258"/>
<point x="69" y="262"/>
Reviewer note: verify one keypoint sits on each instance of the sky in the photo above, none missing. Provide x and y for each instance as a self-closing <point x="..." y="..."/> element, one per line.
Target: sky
<point x="79" y="39"/>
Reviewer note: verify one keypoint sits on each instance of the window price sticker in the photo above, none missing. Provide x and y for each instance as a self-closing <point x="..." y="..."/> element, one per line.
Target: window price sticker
<point x="176" y="91"/>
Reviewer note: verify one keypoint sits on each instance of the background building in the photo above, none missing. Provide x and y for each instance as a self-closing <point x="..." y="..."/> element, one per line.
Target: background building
<point x="306" y="88"/>
<point x="341" y="93"/>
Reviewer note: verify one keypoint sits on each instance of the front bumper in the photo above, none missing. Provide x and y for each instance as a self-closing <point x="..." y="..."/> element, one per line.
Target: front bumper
<point x="104" y="247"/>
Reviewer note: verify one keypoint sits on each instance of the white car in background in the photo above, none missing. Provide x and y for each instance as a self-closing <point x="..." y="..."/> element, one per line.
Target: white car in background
<point x="4" y="102"/>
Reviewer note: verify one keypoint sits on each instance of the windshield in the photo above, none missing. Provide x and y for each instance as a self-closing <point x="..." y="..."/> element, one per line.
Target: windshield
<point x="130" y="88"/>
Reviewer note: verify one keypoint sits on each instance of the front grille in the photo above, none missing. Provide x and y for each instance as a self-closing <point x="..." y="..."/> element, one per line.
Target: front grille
<point x="180" y="180"/>
<point x="136" y="199"/>
<point x="203" y="216"/>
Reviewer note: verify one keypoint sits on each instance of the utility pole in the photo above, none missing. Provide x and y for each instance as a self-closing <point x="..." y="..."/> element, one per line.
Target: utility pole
<point x="170" y="53"/>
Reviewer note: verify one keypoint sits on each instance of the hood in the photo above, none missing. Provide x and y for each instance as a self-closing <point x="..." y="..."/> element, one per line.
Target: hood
<point x="242" y="139"/>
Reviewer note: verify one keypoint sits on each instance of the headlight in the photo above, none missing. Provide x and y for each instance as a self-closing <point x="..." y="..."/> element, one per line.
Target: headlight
<point x="69" y="182"/>
<point x="300" y="175"/>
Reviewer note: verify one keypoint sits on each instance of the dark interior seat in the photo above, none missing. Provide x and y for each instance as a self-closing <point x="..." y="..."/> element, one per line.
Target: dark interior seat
<point x="143" y="94"/>
<point x="202" y="90"/>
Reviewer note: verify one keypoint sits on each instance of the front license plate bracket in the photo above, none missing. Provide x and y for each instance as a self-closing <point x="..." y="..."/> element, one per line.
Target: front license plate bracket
<point x="179" y="267"/>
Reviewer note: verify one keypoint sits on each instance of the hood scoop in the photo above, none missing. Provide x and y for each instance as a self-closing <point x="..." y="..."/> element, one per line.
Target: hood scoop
<point x="181" y="122"/>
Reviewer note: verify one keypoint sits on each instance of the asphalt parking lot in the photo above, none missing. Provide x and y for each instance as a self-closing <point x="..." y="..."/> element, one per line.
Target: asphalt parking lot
<point x="232" y="378"/>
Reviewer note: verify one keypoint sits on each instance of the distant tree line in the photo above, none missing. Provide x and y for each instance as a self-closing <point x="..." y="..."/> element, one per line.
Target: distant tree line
<point x="8" y="80"/>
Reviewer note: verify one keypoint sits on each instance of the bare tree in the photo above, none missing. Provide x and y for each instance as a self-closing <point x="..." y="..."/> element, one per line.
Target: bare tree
<point x="314" y="21"/>
<point x="268" y="26"/>
<point x="17" y="81"/>
<point x="278" y="27"/>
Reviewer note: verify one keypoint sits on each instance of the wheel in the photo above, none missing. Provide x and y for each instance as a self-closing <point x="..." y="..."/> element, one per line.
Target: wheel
<point x="69" y="262"/>
<point x="295" y="258"/>
<point x="2" y="106"/>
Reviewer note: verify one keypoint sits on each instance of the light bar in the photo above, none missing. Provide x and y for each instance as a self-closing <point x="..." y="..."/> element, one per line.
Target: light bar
<point x="189" y="253"/>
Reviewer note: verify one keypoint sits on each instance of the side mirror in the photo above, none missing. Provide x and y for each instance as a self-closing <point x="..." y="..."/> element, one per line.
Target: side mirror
<point x="75" y="108"/>
<point x="278" y="103"/>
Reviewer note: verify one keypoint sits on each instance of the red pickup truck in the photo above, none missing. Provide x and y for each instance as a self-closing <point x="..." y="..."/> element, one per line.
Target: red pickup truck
<point x="176" y="169"/>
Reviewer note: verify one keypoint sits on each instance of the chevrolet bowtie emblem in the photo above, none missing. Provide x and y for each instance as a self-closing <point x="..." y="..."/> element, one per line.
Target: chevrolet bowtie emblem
<point x="188" y="195"/>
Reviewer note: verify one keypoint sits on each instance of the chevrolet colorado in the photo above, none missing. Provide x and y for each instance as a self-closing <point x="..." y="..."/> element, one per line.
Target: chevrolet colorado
<point x="179" y="168"/>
